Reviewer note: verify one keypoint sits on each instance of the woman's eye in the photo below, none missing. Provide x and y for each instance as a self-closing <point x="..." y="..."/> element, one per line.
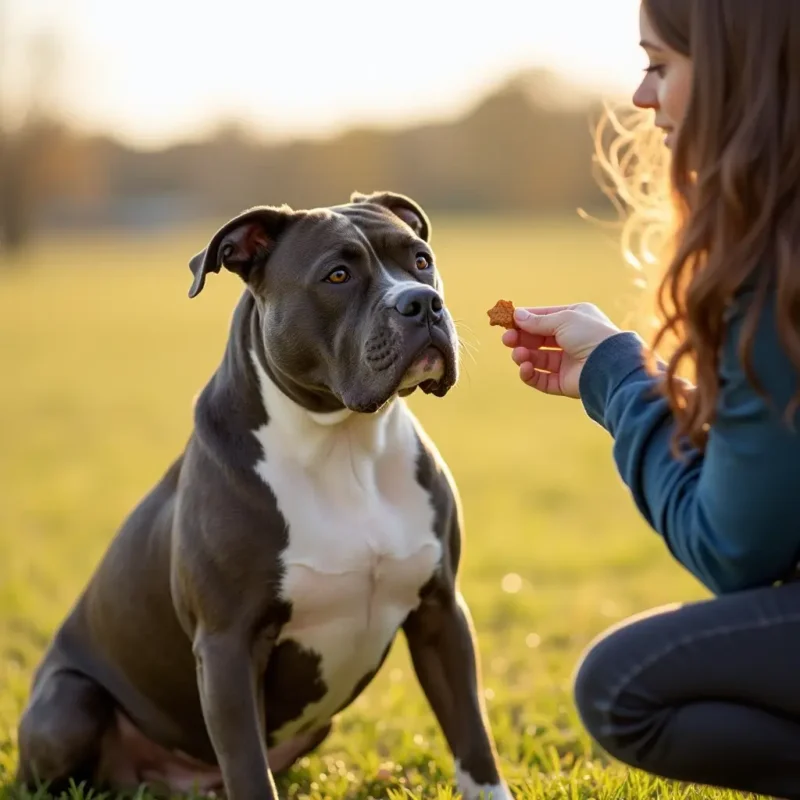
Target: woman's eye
<point x="340" y="275"/>
<point x="658" y="69"/>
<point x="422" y="262"/>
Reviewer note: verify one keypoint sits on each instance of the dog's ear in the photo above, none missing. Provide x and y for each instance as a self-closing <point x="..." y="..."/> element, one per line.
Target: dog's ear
<point x="404" y="207"/>
<point x="241" y="244"/>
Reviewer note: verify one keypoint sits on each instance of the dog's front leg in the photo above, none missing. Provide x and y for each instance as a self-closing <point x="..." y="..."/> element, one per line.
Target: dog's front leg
<point x="229" y="675"/>
<point x="442" y="647"/>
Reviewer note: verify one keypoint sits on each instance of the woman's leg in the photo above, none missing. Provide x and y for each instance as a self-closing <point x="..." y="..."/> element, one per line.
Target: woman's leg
<point x="705" y="693"/>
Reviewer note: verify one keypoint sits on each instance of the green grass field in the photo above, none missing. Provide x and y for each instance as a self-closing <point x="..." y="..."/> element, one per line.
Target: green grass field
<point x="101" y="354"/>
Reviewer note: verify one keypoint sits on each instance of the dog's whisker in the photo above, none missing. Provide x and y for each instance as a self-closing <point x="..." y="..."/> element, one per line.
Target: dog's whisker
<point x="470" y="354"/>
<point x="466" y="374"/>
<point x="467" y="348"/>
<point x="462" y="363"/>
<point x="460" y="323"/>
<point x="463" y="351"/>
<point x="464" y="325"/>
<point x="466" y="333"/>
<point x="470" y="345"/>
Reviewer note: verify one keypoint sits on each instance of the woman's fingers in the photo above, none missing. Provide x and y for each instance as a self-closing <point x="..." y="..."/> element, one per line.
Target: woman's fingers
<point x="547" y="360"/>
<point x="547" y="382"/>
<point x="519" y="355"/>
<point x="540" y="369"/>
<point x="517" y="338"/>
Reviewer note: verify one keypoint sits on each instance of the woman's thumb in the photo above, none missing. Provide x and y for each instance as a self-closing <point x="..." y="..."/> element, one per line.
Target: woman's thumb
<point x="543" y="324"/>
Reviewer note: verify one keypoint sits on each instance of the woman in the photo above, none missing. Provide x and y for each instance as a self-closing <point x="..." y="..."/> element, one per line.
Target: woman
<point x="708" y="692"/>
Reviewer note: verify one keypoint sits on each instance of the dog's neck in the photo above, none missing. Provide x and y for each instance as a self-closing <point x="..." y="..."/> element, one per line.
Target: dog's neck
<point x="313" y="436"/>
<point x="248" y="393"/>
<point x="316" y="400"/>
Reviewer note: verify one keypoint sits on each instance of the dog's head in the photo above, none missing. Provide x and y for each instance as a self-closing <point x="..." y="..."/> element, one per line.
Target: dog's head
<point x="349" y="298"/>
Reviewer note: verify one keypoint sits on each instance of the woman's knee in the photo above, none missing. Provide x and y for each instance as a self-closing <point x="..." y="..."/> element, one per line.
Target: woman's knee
<point x="594" y="683"/>
<point x="610" y="704"/>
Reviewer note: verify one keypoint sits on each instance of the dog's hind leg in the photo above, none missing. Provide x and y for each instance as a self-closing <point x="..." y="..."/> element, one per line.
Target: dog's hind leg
<point x="61" y="730"/>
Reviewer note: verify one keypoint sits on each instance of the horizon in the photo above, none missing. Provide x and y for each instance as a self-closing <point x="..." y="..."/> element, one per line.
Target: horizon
<point x="168" y="72"/>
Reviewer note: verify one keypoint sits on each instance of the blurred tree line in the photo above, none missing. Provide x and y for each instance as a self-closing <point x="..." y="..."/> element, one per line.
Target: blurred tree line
<point x="516" y="150"/>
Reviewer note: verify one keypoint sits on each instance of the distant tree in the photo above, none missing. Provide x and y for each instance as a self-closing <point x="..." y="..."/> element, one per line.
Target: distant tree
<point x="29" y="136"/>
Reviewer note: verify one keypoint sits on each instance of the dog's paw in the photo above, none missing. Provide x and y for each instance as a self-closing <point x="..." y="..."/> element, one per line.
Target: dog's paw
<point x="486" y="792"/>
<point x="470" y="789"/>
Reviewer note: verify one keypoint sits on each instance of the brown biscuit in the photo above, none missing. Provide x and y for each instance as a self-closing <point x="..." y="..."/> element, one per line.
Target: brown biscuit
<point x="502" y="314"/>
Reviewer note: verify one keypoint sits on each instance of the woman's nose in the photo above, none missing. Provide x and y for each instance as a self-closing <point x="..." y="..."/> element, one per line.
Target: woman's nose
<point x="646" y="96"/>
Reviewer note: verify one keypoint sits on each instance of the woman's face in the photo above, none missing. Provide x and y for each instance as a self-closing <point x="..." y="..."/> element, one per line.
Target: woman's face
<point x="667" y="83"/>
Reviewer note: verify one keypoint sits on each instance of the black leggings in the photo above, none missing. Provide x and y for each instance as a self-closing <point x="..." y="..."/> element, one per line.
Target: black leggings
<point x="704" y="693"/>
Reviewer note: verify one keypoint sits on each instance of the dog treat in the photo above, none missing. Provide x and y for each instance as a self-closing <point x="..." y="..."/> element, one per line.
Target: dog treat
<point x="502" y="314"/>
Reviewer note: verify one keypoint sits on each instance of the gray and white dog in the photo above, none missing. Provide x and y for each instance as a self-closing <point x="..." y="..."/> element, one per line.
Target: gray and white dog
<point x="255" y="591"/>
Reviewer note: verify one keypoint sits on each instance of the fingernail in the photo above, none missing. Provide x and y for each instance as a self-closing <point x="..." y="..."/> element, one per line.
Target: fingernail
<point x="521" y="314"/>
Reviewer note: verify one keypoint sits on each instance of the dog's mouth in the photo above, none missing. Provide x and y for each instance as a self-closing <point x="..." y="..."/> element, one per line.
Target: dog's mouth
<point x="426" y="371"/>
<point x="433" y="369"/>
<point x="397" y="371"/>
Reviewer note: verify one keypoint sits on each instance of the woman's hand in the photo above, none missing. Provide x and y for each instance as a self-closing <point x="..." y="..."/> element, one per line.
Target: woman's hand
<point x="552" y="344"/>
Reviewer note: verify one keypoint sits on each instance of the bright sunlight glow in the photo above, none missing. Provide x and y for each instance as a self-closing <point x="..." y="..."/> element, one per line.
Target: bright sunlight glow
<point x="157" y="70"/>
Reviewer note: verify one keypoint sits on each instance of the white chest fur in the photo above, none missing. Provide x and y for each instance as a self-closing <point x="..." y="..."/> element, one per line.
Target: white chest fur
<point x="360" y="529"/>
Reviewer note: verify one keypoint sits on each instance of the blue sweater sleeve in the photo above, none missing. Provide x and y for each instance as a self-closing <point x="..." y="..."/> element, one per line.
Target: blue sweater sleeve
<point x="732" y="515"/>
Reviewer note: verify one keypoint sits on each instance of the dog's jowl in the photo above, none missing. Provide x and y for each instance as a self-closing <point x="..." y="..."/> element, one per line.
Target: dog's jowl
<point x="256" y="589"/>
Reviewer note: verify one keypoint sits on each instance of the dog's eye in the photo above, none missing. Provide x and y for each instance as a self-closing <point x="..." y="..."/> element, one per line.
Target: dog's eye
<point x="422" y="262"/>
<point x="340" y="275"/>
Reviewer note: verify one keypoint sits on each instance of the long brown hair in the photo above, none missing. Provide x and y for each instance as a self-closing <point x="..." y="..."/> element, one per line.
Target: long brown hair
<point x="732" y="189"/>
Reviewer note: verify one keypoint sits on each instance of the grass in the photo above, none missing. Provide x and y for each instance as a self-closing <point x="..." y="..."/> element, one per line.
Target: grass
<point x="101" y="354"/>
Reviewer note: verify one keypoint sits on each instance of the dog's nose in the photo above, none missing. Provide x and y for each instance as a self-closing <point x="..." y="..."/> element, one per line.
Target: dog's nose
<point x="421" y="303"/>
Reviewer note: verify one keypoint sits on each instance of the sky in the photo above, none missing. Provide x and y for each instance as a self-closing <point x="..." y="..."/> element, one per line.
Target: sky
<point x="153" y="71"/>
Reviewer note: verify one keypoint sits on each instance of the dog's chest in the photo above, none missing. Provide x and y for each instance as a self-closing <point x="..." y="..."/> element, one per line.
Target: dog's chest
<point x="361" y="545"/>
<point x="360" y="534"/>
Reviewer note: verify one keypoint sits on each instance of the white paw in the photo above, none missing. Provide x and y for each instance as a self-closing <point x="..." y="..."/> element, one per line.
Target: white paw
<point x="471" y="790"/>
<point x="482" y="791"/>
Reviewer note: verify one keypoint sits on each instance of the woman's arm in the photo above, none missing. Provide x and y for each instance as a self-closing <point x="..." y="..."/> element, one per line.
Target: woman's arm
<point x="732" y="516"/>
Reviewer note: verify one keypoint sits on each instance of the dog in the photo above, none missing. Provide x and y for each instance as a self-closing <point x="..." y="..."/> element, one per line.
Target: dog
<point x="256" y="590"/>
